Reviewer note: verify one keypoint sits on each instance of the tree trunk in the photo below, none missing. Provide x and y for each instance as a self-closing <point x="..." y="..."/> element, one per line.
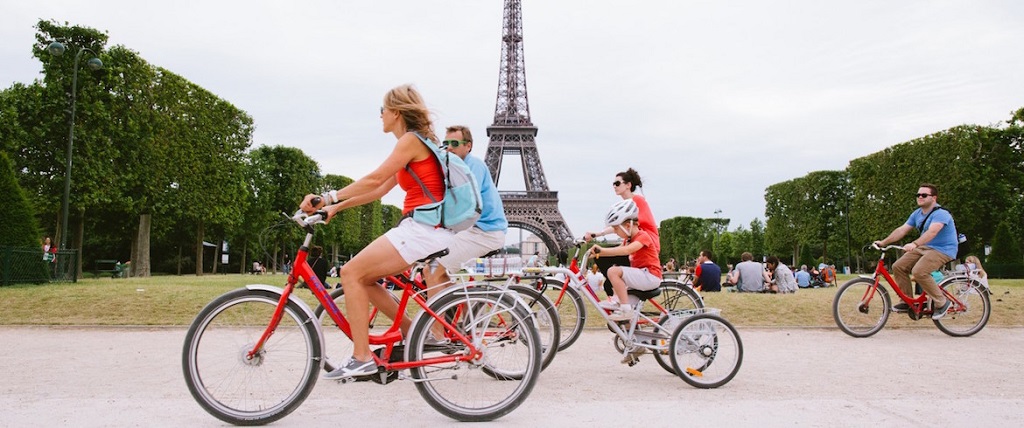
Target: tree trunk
<point x="179" y="260"/>
<point x="199" y="249"/>
<point x="79" y="239"/>
<point x="216" y="257"/>
<point x="140" y="248"/>
<point x="245" y="248"/>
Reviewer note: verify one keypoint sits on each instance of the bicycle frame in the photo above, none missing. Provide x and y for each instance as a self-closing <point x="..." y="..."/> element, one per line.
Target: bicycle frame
<point x="389" y="338"/>
<point x="575" y="273"/>
<point x="918" y="305"/>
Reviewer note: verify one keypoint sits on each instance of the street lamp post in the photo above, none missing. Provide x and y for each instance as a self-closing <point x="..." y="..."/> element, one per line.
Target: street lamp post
<point x="57" y="49"/>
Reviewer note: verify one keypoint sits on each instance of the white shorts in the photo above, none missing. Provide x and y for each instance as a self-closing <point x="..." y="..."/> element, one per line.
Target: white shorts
<point x="470" y="244"/>
<point x="415" y="240"/>
<point x="639" y="279"/>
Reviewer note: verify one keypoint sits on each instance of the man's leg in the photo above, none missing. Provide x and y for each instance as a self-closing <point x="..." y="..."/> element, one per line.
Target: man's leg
<point x="930" y="261"/>
<point x="902" y="269"/>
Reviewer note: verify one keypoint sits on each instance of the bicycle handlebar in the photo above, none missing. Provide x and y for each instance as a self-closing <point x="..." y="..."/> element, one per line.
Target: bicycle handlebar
<point x="887" y="247"/>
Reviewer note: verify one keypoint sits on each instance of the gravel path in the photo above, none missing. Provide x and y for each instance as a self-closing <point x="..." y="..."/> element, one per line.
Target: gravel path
<point x="83" y="376"/>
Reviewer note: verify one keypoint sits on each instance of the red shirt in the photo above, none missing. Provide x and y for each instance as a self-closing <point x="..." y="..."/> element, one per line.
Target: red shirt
<point x="647" y="222"/>
<point x="646" y="256"/>
<point x="429" y="172"/>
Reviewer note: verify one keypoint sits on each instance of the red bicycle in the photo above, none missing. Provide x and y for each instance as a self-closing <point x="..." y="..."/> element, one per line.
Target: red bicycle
<point x="252" y="355"/>
<point x="862" y="305"/>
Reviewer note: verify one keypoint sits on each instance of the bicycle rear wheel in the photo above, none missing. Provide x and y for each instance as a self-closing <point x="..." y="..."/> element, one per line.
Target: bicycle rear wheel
<point x="861" y="309"/>
<point x="971" y="313"/>
<point x="257" y="390"/>
<point x="501" y="378"/>
<point x="674" y="296"/>
<point x="545" y="317"/>
<point x="572" y="314"/>
<point x="706" y="351"/>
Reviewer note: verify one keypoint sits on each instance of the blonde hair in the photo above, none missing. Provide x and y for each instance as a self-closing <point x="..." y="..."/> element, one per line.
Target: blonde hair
<point x="408" y="103"/>
<point x="977" y="265"/>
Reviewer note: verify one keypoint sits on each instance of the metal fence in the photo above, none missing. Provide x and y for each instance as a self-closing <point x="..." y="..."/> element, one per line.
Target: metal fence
<point x="20" y="265"/>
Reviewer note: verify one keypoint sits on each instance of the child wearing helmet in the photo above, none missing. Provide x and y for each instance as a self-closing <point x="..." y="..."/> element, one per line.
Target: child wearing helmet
<point x="644" y="270"/>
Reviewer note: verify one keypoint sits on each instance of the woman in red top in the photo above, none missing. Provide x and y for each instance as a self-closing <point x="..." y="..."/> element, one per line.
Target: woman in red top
<point x="624" y="185"/>
<point x="404" y="115"/>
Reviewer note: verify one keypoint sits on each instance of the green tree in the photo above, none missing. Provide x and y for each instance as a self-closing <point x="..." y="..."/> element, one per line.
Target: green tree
<point x="1006" y="260"/>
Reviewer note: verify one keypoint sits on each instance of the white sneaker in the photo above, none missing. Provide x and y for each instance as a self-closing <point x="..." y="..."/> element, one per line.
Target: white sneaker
<point x="625" y="313"/>
<point x="610" y="305"/>
<point x="353" y="368"/>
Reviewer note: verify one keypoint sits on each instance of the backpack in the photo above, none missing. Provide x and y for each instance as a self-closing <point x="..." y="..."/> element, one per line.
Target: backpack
<point x="461" y="205"/>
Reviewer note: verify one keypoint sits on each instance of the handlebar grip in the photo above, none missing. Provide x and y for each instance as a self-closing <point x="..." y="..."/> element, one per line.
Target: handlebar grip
<point x="315" y="201"/>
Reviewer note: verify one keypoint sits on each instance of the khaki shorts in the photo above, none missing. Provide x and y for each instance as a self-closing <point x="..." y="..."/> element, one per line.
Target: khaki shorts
<point x="415" y="240"/>
<point x="470" y="244"/>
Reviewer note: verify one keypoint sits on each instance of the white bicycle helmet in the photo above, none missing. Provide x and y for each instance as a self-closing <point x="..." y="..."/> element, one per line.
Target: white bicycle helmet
<point x="620" y="212"/>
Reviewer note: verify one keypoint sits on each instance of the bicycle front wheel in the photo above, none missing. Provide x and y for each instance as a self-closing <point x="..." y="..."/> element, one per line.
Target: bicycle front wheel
<point x="706" y="351"/>
<point x="861" y="309"/>
<point x="497" y="381"/>
<point x="971" y="310"/>
<point x="255" y="390"/>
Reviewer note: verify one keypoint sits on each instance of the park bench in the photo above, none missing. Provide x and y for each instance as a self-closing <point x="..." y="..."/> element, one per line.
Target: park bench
<point x="108" y="267"/>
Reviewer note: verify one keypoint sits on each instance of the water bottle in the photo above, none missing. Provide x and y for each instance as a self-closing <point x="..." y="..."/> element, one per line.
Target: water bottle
<point x="961" y="238"/>
<point x="479" y="265"/>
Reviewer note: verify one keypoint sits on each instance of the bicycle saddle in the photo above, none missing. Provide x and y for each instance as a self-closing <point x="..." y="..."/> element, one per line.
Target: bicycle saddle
<point x="644" y="295"/>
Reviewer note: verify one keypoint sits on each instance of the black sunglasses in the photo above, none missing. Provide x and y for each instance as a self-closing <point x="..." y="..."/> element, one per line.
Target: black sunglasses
<point x="923" y="195"/>
<point x="616" y="183"/>
<point x="455" y="143"/>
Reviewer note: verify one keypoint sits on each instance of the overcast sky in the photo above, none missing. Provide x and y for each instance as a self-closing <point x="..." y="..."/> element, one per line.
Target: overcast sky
<point x="711" y="101"/>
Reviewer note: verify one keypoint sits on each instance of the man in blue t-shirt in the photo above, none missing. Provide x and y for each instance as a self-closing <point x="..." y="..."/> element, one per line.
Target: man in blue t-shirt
<point x="935" y="247"/>
<point x="488" y="234"/>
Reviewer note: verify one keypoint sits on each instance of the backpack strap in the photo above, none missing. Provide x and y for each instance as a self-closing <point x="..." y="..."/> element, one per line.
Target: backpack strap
<point x="417" y="177"/>
<point x="920" y="228"/>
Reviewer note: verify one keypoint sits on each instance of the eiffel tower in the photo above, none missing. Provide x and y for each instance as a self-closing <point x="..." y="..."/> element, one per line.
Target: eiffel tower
<point x="536" y="209"/>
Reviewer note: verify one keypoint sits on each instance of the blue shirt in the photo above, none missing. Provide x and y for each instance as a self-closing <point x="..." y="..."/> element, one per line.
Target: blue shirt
<point x="710" y="277"/>
<point x="946" y="241"/>
<point x="493" y="216"/>
<point x="803" y="279"/>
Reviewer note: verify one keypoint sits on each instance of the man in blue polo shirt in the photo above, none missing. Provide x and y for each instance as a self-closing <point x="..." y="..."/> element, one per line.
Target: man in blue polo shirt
<point x="936" y="246"/>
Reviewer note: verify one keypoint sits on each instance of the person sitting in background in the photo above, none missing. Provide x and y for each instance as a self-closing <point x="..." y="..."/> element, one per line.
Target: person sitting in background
<point x="976" y="271"/>
<point x="783" y="280"/>
<point x="748" y="275"/>
<point x="803" y="278"/>
<point x="707" y="276"/>
<point x="318" y="264"/>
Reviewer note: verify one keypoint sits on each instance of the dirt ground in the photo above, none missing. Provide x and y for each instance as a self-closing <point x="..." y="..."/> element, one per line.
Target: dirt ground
<point x="90" y="377"/>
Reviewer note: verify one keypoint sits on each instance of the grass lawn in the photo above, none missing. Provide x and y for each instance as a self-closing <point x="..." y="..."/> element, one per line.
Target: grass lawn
<point x="175" y="300"/>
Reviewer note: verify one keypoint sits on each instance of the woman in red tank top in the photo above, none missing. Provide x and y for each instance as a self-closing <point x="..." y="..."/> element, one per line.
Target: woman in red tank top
<point x="404" y="115"/>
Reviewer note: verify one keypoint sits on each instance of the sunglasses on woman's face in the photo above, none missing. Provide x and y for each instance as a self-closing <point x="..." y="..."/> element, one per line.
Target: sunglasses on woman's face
<point x="616" y="183"/>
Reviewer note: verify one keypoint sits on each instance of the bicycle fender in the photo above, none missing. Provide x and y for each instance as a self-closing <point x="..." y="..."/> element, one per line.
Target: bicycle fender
<point x="293" y="299"/>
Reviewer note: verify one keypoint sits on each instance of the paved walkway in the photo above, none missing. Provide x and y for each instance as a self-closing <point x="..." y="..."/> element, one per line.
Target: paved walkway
<point x="132" y="377"/>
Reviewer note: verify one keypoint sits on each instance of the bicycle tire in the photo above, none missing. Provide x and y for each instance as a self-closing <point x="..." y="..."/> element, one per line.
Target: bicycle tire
<point x="545" y="318"/>
<point x="855" y="318"/>
<point x="972" y="312"/>
<point x="471" y="392"/>
<point x="706" y="351"/>
<point x="572" y="314"/>
<point x="238" y="390"/>
<point x="677" y="296"/>
<point x="668" y="325"/>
